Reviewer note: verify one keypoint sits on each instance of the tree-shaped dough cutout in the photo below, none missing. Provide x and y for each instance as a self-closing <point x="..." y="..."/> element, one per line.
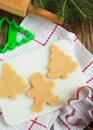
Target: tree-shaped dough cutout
<point x="42" y="92"/>
<point x="61" y="65"/>
<point x="11" y="84"/>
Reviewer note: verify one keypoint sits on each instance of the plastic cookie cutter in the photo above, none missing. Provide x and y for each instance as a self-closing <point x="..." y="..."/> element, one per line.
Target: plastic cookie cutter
<point x="13" y="29"/>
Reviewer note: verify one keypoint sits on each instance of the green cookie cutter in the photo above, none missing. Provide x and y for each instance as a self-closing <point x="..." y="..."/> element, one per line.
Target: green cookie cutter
<point x="13" y="29"/>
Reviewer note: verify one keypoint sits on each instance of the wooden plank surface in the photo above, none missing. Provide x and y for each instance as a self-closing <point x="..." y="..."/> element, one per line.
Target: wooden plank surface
<point x="83" y="31"/>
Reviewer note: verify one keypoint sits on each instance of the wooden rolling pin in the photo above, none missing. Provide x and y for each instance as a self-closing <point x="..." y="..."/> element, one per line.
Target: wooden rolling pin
<point x="24" y="7"/>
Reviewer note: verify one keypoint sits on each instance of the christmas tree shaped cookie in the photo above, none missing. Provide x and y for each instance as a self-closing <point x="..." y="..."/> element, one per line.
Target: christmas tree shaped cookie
<point x="11" y="83"/>
<point x="42" y="92"/>
<point x="61" y="65"/>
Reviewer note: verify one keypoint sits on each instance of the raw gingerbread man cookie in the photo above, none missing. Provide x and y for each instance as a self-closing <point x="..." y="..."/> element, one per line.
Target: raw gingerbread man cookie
<point x="61" y="65"/>
<point x="42" y="92"/>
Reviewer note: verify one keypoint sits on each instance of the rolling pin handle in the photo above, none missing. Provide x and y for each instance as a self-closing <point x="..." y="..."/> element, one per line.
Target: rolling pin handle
<point x="17" y="7"/>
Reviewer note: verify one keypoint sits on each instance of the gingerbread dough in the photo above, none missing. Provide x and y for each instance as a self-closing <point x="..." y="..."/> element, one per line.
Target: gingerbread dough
<point x="42" y="92"/>
<point x="61" y="65"/>
<point x="11" y="83"/>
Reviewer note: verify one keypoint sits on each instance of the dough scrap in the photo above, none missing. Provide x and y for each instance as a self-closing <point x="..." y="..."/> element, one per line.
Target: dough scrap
<point x="42" y="92"/>
<point x="61" y="65"/>
<point x="11" y="83"/>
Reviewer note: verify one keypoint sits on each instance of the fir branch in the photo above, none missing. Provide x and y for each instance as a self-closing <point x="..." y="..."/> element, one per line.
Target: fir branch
<point x="40" y="3"/>
<point x="84" y="15"/>
<point x="70" y="10"/>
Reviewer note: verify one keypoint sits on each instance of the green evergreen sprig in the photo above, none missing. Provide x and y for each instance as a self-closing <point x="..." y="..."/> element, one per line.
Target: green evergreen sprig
<point x="70" y="10"/>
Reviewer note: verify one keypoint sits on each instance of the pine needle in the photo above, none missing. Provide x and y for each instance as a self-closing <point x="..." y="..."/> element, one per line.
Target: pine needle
<point x="64" y="7"/>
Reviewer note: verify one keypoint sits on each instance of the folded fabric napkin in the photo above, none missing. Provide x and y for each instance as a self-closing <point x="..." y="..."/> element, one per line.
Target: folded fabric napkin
<point x="47" y="32"/>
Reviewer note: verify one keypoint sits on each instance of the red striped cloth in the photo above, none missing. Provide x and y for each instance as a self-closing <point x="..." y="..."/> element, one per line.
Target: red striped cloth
<point x="47" y="32"/>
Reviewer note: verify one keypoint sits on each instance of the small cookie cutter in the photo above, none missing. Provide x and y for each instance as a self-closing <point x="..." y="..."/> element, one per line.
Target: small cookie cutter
<point x="13" y="29"/>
